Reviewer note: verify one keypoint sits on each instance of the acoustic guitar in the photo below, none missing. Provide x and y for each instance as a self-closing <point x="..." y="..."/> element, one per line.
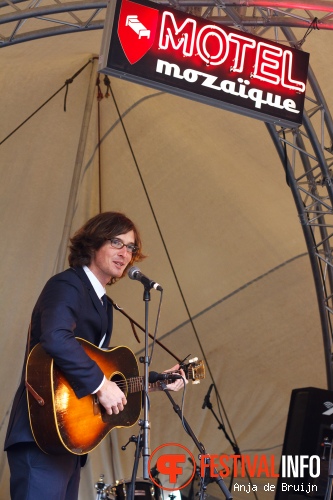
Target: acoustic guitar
<point x="60" y="421"/>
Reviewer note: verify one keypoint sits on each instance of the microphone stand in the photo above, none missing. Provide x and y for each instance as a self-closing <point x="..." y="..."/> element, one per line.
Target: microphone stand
<point x="328" y="493"/>
<point x="145" y="424"/>
<point x="218" y="479"/>
<point x="209" y="405"/>
<point x="142" y="441"/>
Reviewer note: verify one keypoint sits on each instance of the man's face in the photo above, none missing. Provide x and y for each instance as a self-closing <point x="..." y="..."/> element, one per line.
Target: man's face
<point x="109" y="262"/>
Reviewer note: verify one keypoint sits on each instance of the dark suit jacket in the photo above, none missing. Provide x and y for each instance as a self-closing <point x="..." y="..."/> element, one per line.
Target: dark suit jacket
<point x="68" y="307"/>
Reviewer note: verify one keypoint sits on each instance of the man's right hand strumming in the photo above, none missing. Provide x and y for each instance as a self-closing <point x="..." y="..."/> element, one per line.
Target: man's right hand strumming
<point x="111" y="397"/>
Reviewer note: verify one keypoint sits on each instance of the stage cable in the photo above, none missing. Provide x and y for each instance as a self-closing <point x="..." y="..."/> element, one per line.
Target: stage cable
<point x="99" y="98"/>
<point x="66" y="84"/>
<point x="107" y="82"/>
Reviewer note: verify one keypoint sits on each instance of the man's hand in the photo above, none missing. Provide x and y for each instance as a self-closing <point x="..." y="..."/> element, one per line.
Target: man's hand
<point x="179" y="383"/>
<point x="174" y="386"/>
<point x="111" y="397"/>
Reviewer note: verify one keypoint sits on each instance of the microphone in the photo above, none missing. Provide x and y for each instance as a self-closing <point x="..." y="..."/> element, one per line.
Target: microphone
<point x="134" y="273"/>
<point x="206" y="400"/>
<point x="169" y="377"/>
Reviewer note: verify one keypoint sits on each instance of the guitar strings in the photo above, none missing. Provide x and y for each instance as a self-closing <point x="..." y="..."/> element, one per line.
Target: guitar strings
<point x="133" y="384"/>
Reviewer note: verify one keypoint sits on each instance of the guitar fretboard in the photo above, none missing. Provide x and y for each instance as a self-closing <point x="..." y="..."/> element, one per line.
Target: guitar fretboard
<point x="135" y="384"/>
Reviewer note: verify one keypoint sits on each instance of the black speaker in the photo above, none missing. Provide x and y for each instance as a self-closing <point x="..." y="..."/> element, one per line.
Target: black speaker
<point x="308" y="432"/>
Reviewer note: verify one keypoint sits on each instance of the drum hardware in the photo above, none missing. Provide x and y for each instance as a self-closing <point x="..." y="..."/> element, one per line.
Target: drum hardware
<point x="144" y="490"/>
<point x="102" y="489"/>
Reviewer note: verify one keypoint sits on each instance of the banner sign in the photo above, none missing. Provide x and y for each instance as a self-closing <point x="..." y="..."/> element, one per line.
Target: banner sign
<point x="191" y="57"/>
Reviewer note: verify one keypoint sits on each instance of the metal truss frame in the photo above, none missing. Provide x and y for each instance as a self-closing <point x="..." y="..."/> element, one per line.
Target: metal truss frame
<point x="23" y="20"/>
<point x="306" y="152"/>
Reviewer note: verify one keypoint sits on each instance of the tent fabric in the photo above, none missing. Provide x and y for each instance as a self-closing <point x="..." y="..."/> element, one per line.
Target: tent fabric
<point x="219" y="226"/>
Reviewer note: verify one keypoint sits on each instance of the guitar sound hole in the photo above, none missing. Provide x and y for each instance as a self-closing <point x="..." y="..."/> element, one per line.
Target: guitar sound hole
<point x="120" y="381"/>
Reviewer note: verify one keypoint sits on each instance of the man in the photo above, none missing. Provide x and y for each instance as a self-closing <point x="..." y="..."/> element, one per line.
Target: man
<point x="71" y="305"/>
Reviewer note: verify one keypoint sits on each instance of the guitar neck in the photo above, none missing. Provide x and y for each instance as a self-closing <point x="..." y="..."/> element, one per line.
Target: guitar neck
<point x="137" y="384"/>
<point x="194" y="371"/>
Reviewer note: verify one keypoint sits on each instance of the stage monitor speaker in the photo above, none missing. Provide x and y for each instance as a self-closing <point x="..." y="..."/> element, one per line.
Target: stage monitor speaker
<point x="309" y="422"/>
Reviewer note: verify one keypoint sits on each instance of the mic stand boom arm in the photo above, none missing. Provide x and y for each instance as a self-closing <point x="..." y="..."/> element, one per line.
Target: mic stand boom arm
<point x="199" y="445"/>
<point x="133" y="322"/>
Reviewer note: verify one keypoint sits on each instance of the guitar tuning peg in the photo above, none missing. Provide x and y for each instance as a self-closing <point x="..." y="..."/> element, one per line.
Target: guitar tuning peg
<point x="193" y="360"/>
<point x="195" y="381"/>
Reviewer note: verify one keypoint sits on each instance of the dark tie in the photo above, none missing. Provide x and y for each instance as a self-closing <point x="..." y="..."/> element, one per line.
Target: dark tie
<point x="105" y="301"/>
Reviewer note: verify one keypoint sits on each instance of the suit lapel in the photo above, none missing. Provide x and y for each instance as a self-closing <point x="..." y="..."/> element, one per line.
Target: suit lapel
<point x="96" y="301"/>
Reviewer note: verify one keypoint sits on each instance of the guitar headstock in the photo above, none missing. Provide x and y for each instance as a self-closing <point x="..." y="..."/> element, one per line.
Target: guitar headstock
<point x="194" y="370"/>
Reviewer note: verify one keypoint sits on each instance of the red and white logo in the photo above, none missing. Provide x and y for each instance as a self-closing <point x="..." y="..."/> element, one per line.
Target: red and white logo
<point x="136" y="29"/>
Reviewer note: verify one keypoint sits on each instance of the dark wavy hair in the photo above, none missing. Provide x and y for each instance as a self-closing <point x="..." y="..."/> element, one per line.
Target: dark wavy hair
<point x="95" y="232"/>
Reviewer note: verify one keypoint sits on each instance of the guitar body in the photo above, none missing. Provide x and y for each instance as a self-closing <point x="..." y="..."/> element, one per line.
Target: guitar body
<point x="65" y="422"/>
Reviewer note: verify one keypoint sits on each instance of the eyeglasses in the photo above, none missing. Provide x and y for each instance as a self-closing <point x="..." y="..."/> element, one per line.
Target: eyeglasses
<point x="117" y="243"/>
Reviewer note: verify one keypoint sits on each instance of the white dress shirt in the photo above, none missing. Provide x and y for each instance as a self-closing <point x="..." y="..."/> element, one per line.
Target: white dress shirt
<point x="100" y="291"/>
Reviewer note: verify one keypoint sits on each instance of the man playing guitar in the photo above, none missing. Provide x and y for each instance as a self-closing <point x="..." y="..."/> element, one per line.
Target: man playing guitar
<point x="72" y="306"/>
